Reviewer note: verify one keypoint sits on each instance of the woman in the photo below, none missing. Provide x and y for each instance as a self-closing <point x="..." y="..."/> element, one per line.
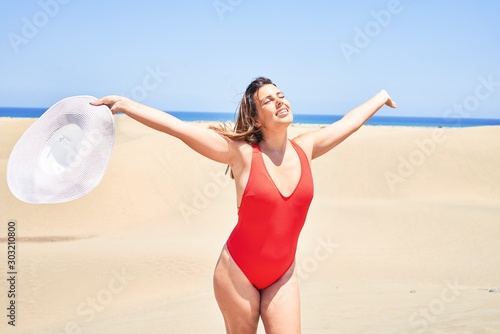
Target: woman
<point x="255" y="275"/>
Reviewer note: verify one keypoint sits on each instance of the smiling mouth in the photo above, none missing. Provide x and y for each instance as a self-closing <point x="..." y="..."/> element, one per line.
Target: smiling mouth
<point x="282" y="112"/>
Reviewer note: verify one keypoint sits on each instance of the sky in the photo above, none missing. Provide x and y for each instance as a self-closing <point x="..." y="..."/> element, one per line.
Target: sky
<point x="435" y="58"/>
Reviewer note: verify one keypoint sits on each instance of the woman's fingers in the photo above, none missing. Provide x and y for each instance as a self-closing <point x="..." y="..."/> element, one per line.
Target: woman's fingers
<point x="390" y="102"/>
<point x="113" y="102"/>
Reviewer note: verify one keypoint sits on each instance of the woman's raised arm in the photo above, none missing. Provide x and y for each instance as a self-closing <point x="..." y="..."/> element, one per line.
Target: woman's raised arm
<point x="319" y="142"/>
<point x="204" y="141"/>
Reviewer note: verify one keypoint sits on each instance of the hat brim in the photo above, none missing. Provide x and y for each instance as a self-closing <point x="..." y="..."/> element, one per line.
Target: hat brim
<point x="64" y="154"/>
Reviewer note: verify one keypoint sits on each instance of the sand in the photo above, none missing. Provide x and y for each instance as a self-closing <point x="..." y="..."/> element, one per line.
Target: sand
<point x="402" y="237"/>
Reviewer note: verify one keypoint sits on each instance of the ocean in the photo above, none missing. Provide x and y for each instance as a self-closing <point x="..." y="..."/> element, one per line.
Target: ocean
<point x="298" y="118"/>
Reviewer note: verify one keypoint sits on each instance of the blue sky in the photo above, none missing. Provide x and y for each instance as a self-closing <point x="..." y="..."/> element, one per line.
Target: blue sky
<point x="436" y="58"/>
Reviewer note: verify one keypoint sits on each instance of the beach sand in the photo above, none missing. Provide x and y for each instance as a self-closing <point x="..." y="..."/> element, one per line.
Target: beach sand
<point x="402" y="237"/>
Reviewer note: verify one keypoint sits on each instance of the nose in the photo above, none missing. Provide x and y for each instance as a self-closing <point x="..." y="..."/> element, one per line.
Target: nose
<point x="279" y="101"/>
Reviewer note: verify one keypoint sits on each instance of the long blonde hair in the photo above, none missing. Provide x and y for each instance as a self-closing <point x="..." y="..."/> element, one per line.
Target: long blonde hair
<point x="246" y="127"/>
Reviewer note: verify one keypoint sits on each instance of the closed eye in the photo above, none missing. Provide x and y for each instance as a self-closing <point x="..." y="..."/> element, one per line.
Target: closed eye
<point x="270" y="98"/>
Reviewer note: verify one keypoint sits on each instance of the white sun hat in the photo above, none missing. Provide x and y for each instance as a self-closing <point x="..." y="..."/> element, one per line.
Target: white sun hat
<point x="63" y="155"/>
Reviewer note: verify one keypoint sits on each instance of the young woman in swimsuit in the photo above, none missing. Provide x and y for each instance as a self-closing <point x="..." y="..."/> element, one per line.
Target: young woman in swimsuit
<point x="255" y="275"/>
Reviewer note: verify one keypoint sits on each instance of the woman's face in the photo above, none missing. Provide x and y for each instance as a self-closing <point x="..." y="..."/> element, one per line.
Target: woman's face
<point x="272" y="107"/>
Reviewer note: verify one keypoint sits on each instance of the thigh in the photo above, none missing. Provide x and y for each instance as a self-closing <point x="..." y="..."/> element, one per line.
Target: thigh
<point x="238" y="299"/>
<point x="280" y="304"/>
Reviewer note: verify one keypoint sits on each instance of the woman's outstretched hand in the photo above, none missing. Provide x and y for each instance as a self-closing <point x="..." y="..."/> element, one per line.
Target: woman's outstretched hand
<point x="390" y="102"/>
<point x="115" y="103"/>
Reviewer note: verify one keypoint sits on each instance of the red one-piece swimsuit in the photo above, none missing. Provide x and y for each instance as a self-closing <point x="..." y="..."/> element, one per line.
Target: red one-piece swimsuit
<point x="264" y="241"/>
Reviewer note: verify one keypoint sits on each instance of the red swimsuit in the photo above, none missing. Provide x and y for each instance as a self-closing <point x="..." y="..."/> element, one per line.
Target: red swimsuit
<point x="264" y="242"/>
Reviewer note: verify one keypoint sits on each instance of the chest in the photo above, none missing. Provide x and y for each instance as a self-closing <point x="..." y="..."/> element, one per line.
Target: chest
<point x="284" y="172"/>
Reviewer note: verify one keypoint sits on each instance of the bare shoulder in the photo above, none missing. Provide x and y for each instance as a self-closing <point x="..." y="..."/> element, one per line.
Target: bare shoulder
<point x="306" y="142"/>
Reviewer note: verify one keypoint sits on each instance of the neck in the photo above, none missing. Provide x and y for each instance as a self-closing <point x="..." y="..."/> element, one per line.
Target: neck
<point x="275" y="141"/>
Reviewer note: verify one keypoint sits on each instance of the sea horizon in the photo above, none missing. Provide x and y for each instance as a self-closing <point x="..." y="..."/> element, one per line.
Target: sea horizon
<point x="206" y="116"/>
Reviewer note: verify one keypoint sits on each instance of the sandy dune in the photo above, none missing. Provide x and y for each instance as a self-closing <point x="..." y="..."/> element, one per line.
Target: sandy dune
<point x="402" y="237"/>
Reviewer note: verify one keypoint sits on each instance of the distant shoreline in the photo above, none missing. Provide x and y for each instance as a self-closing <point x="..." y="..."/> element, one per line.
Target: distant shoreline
<point x="312" y="119"/>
